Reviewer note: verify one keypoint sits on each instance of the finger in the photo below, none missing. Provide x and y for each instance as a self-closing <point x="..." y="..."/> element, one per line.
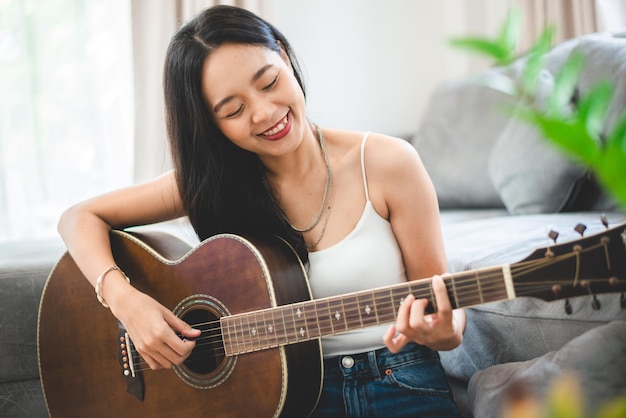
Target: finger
<point x="181" y="326"/>
<point x="181" y="347"/>
<point x="152" y="363"/>
<point x="393" y="340"/>
<point x="444" y="308"/>
<point x="404" y="312"/>
<point x="418" y="310"/>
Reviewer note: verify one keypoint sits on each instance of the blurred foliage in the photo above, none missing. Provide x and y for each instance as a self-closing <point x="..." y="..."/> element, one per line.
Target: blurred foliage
<point x="573" y="121"/>
<point x="563" y="399"/>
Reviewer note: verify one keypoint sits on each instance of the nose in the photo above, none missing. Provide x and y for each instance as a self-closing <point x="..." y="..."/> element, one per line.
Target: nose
<point x="262" y="110"/>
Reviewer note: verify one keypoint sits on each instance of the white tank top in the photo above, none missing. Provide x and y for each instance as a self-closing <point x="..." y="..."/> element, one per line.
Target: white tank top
<point x="368" y="257"/>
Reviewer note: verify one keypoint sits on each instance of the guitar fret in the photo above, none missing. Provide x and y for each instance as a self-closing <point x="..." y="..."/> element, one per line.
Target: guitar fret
<point x="368" y="309"/>
<point x="480" y="291"/>
<point x="226" y="336"/>
<point x="324" y="320"/>
<point x="262" y="338"/>
<point x="385" y="311"/>
<point x="315" y="330"/>
<point x="352" y="313"/>
<point x="358" y="312"/>
<point x="335" y="308"/>
<point x="455" y="302"/>
<point x="311" y="320"/>
<point x="270" y="328"/>
<point x="301" y="330"/>
<point x="493" y="285"/>
<point x="241" y="344"/>
<point x="281" y="328"/>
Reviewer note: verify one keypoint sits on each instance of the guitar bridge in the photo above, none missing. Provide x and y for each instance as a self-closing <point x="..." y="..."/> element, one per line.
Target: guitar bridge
<point x="129" y="362"/>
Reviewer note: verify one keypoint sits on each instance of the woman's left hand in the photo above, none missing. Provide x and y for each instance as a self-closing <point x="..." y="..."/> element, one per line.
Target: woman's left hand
<point x="439" y="331"/>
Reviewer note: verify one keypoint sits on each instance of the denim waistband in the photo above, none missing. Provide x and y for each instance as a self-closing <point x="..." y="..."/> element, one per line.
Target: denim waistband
<point x="374" y="364"/>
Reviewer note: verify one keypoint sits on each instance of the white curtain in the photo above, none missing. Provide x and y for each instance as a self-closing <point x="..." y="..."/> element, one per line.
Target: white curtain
<point x="66" y="109"/>
<point x="153" y="24"/>
<point x="570" y="18"/>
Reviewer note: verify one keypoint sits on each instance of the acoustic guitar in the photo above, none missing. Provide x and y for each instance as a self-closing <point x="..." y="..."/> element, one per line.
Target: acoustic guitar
<point x="259" y="353"/>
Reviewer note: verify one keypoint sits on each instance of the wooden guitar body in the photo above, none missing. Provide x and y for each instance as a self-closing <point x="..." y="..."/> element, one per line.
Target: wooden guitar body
<point x="81" y="346"/>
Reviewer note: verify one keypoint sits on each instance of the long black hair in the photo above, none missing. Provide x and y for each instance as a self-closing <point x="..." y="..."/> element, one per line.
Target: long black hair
<point x="222" y="186"/>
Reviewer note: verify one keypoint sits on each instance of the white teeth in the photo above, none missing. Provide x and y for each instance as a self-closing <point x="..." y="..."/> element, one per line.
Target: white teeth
<point x="277" y="128"/>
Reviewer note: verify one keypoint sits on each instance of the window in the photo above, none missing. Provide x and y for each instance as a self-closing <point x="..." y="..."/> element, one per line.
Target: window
<point x="66" y="108"/>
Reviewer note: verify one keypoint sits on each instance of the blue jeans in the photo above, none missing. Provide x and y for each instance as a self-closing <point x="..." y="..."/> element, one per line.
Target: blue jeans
<point x="376" y="384"/>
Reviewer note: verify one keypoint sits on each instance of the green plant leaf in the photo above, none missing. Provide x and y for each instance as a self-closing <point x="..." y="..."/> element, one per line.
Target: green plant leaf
<point x="594" y="105"/>
<point x="613" y="409"/>
<point x="508" y="37"/>
<point x="483" y="46"/>
<point x="565" y="83"/>
<point x="571" y="136"/>
<point x="535" y="60"/>
<point x="611" y="169"/>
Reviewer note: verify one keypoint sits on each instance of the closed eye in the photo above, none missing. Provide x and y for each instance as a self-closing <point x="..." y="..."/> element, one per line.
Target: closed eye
<point x="236" y="112"/>
<point x="272" y="84"/>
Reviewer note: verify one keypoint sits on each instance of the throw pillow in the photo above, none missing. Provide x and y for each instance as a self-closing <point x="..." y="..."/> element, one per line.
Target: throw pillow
<point x="596" y="358"/>
<point x="529" y="173"/>
<point x="463" y="121"/>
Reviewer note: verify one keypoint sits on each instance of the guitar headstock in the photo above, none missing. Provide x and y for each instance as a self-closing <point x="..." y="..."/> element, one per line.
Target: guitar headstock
<point x="587" y="266"/>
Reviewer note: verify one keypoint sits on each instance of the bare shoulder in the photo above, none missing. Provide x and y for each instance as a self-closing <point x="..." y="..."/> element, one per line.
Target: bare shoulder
<point x="390" y="156"/>
<point x="385" y="148"/>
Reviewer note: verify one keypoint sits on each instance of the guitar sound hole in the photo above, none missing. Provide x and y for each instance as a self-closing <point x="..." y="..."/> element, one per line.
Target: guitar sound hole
<point x="207" y="366"/>
<point x="208" y="354"/>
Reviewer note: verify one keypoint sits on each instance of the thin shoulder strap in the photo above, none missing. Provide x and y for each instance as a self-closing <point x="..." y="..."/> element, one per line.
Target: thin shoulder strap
<point x="367" y="196"/>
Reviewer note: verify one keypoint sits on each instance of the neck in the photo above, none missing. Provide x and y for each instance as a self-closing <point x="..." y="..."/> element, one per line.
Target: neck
<point x="298" y="165"/>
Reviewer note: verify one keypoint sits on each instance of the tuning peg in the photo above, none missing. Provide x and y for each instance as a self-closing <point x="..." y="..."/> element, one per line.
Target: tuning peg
<point x="568" y="307"/>
<point x="581" y="228"/>
<point x="553" y="235"/>
<point x="604" y="220"/>
<point x="595" y="303"/>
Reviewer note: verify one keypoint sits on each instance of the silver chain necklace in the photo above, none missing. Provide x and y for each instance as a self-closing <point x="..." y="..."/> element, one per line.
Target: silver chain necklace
<point x="329" y="178"/>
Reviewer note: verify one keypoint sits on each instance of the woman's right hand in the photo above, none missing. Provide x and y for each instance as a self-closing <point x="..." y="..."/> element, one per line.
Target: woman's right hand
<point x="85" y="229"/>
<point x="152" y="327"/>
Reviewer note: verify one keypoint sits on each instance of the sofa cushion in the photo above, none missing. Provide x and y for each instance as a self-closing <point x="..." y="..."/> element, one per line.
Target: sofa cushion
<point x="595" y="359"/>
<point x="23" y="399"/>
<point x="528" y="172"/>
<point x="454" y="140"/>
<point x="24" y="268"/>
<point x="532" y="176"/>
<point x="605" y="60"/>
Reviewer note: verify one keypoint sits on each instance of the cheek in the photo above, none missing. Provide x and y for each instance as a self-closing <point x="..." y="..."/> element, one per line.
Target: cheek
<point x="235" y="130"/>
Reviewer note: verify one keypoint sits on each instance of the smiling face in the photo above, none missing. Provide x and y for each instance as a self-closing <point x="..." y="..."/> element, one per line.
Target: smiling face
<point x="254" y="98"/>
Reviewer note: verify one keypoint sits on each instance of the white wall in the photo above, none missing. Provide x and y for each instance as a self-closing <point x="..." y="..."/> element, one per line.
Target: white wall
<point x="372" y="64"/>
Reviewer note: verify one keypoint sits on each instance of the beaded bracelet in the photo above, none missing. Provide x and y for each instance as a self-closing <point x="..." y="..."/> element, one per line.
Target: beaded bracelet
<point x="100" y="279"/>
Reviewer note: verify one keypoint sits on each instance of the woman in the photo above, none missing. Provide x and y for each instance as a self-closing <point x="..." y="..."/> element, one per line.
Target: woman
<point x="359" y="209"/>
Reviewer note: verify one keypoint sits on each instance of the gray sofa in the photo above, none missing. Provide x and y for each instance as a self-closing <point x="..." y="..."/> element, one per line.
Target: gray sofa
<point x="501" y="189"/>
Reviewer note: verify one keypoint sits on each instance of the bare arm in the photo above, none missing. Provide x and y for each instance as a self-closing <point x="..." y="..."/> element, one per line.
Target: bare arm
<point x="85" y="230"/>
<point x="409" y="201"/>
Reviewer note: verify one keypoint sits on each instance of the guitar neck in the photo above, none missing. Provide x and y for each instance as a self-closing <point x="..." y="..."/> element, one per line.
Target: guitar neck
<point x="298" y="322"/>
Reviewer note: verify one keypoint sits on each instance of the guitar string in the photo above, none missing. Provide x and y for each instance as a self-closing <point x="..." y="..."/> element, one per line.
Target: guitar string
<point x="213" y="346"/>
<point x="349" y="307"/>
<point x="522" y="268"/>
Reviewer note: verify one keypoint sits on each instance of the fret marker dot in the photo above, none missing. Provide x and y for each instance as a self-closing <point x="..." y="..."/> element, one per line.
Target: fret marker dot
<point x="253" y="331"/>
<point x="299" y="313"/>
<point x="337" y="315"/>
<point x="270" y="328"/>
<point x="302" y="332"/>
<point x="368" y="310"/>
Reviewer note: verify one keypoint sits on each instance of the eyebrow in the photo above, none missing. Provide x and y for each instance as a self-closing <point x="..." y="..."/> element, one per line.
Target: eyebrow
<point x="254" y="79"/>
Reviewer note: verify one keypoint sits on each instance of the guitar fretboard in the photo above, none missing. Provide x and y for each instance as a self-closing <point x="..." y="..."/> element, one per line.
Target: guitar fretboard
<point x="298" y="322"/>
